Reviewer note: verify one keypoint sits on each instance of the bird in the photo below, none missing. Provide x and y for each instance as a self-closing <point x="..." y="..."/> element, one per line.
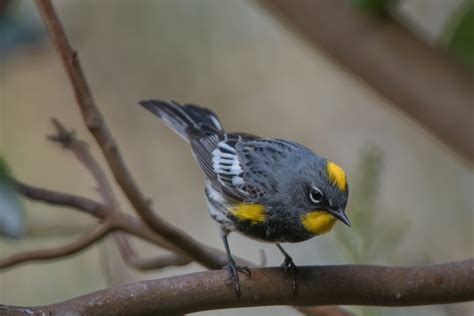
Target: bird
<point x="271" y="190"/>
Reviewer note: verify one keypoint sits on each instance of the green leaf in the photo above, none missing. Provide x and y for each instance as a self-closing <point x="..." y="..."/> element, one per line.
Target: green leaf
<point x="5" y="171"/>
<point x="374" y="6"/>
<point x="11" y="210"/>
<point x="459" y="33"/>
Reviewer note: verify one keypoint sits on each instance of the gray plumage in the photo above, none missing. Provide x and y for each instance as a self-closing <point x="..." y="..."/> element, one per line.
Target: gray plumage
<point x="245" y="168"/>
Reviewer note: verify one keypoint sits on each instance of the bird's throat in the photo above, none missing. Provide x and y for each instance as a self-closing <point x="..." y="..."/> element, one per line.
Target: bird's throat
<point x="318" y="222"/>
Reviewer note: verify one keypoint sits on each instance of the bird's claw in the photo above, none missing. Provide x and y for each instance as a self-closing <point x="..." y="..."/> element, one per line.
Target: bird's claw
<point x="289" y="266"/>
<point x="244" y="269"/>
<point x="233" y="271"/>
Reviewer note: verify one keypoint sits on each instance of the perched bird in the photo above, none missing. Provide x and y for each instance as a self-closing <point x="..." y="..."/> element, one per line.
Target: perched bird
<point x="272" y="190"/>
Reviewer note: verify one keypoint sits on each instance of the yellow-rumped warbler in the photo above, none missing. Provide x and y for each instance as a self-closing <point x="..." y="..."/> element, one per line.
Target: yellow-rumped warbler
<point x="272" y="190"/>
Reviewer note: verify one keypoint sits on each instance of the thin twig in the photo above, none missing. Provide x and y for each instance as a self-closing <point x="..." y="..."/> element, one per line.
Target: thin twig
<point x="133" y="260"/>
<point x="79" y="203"/>
<point x="81" y="150"/>
<point x="94" y="121"/>
<point x="120" y="220"/>
<point x="83" y="242"/>
<point x="318" y="285"/>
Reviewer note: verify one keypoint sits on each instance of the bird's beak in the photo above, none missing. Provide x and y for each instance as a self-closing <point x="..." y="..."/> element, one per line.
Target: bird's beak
<point x="342" y="216"/>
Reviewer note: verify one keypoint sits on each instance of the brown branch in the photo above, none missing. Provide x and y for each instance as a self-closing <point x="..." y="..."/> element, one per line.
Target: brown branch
<point x="421" y="80"/>
<point x="82" y="204"/>
<point x="120" y="220"/>
<point x="95" y="123"/>
<point x="81" y="150"/>
<point x="82" y="243"/>
<point x="136" y="227"/>
<point x="348" y="285"/>
<point x="132" y="259"/>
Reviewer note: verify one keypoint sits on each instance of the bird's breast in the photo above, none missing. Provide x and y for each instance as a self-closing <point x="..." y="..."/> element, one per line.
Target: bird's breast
<point x="267" y="224"/>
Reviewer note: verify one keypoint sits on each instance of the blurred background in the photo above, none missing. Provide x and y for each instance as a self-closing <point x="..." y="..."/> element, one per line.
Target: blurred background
<point x="411" y="198"/>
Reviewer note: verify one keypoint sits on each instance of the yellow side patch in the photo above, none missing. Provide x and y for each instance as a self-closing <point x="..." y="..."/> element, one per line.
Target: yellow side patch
<point x="336" y="175"/>
<point x="249" y="212"/>
<point x="318" y="222"/>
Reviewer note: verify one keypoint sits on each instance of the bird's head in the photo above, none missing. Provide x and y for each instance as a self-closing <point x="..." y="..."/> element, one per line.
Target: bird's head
<point x="323" y="194"/>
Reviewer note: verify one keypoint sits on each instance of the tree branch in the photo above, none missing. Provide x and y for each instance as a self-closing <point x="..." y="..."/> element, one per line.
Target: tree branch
<point x="65" y="250"/>
<point x="120" y="220"/>
<point x="79" y="203"/>
<point x="80" y="149"/>
<point x="95" y="123"/>
<point x="348" y="285"/>
<point x="425" y="82"/>
<point x="133" y="260"/>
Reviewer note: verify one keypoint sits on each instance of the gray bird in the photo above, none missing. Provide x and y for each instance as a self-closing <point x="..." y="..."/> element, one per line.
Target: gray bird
<point x="272" y="190"/>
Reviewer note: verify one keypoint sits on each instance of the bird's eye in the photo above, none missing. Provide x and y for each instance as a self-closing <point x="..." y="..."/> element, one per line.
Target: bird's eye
<point x="316" y="195"/>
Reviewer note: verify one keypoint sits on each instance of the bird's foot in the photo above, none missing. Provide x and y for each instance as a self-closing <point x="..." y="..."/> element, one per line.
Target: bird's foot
<point x="289" y="266"/>
<point x="233" y="271"/>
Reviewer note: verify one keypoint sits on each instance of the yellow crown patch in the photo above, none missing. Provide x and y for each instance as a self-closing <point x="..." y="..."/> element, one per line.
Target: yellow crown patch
<point x="336" y="175"/>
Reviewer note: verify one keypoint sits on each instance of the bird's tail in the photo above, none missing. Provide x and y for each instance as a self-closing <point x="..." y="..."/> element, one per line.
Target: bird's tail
<point x="187" y="120"/>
